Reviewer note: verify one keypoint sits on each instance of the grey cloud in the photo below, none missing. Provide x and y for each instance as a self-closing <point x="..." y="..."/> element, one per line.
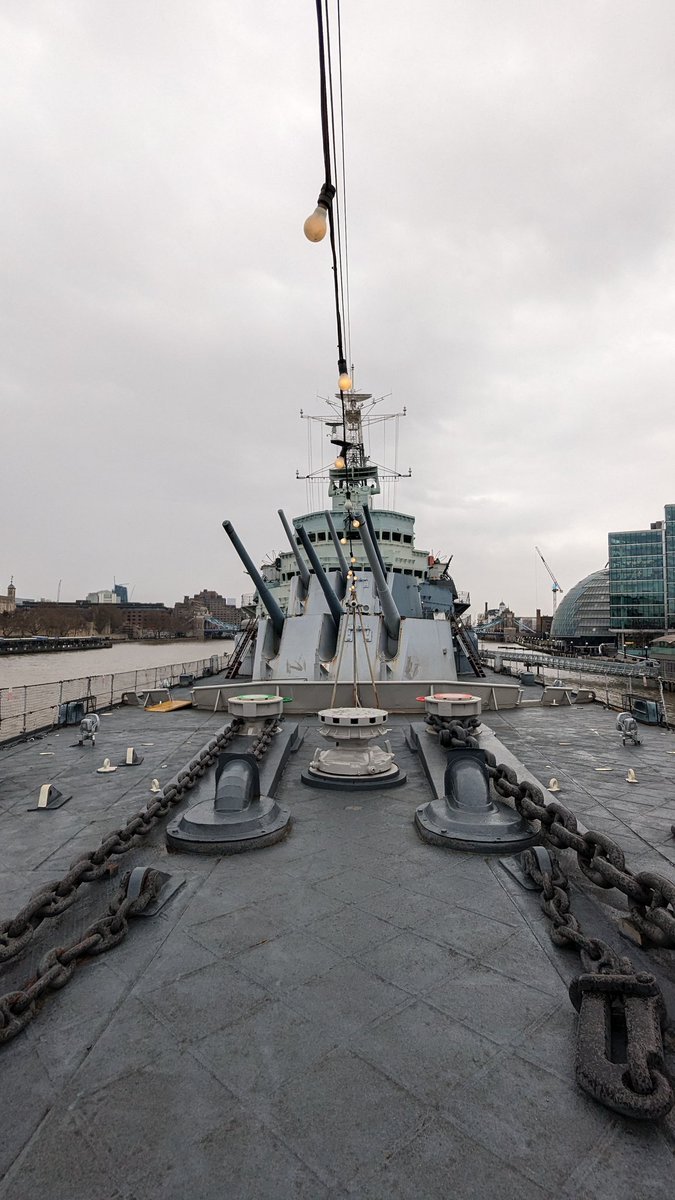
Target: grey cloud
<point x="510" y="182"/>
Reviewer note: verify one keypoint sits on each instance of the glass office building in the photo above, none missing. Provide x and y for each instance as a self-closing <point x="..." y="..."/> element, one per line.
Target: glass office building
<point x="669" y="540"/>
<point x="642" y="577"/>
<point x="582" y="617"/>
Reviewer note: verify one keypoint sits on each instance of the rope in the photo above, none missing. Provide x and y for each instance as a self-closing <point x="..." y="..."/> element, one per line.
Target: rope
<point x="370" y="668"/>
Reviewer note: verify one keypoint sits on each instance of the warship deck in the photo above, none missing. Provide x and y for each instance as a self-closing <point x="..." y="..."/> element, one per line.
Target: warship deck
<point x="348" y="1013"/>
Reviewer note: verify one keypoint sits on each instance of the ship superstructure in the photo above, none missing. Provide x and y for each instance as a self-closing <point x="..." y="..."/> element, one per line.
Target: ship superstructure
<point x="354" y="480"/>
<point x="353" y="574"/>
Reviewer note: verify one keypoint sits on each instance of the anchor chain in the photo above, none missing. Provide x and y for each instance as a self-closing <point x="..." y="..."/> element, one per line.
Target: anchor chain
<point x="264" y="740"/>
<point x="57" y="965"/>
<point x="651" y="897"/>
<point x="57" y="896"/>
<point x="609" y="993"/>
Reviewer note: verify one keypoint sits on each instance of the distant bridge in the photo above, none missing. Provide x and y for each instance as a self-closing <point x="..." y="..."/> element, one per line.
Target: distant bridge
<point x="215" y="628"/>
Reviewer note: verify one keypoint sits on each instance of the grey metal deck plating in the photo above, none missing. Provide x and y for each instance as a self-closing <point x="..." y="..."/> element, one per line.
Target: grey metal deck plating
<point x="349" y="1013"/>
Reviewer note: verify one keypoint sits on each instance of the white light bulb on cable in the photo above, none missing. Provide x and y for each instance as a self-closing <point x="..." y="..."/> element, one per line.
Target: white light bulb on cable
<point x="345" y="382"/>
<point x="316" y="225"/>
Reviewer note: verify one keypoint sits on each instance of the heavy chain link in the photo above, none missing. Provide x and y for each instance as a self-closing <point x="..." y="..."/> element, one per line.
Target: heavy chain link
<point x="264" y="740"/>
<point x="651" y="897"/>
<point x="55" y="897"/>
<point x="58" y="965"/>
<point x="595" y="954"/>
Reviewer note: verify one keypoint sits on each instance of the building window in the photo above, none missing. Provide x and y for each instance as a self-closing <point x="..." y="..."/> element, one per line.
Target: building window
<point x="407" y="537"/>
<point x="395" y="536"/>
<point x="385" y="535"/>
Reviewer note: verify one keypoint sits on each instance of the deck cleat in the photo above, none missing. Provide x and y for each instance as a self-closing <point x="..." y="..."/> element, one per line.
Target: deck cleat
<point x="49" y="798"/>
<point x="238" y="818"/>
<point x="132" y="758"/>
<point x="466" y="817"/>
<point x="354" y="762"/>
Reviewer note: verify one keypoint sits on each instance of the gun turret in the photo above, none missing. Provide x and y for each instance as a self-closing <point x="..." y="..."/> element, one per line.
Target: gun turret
<point x="275" y="614"/>
<point x="331" y="599"/>
<point x="390" y="613"/>
<point x="302" y="565"/>
<point x="336" y="542"/>
<point x="371" y="530"/>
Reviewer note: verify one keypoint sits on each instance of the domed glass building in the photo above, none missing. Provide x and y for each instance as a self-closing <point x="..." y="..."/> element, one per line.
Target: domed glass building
<point x="582" y="618"/>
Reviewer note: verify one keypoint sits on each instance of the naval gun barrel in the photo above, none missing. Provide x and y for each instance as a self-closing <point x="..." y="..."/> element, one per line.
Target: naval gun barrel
<point x="275" y="614"/>
<point x="331" y="599"/>
<point x="392" y="617"/>
<point x="371" y="530"/>
<point x="336" y="542"/>
<point x="302" y="565"/>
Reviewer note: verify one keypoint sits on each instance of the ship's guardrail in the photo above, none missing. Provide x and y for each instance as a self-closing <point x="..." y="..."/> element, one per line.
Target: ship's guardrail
<point x="31" y="707"/>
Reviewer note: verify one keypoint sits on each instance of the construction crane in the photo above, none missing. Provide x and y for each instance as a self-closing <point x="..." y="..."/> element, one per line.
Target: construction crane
<point x="556" y="586"/>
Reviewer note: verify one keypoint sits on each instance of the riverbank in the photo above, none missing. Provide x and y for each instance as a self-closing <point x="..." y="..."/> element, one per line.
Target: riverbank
<point x="27" y="708"/>
<point x="28" y="669"/>
<point x="52" y="645"/>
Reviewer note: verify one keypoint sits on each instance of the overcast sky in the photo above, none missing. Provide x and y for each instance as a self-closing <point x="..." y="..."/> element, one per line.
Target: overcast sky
<point x="510" y="170"/>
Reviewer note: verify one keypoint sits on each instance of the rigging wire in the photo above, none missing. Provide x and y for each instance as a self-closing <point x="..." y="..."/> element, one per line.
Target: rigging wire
<point x="344" y="190"/>
<point x="334" y="150"/>
<point x="328" y="192"/>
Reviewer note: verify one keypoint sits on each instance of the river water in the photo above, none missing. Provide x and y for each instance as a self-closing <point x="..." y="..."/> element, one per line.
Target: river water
<point x="18" y="670"/>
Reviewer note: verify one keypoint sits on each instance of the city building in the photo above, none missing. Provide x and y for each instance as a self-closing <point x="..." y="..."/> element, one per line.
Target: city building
<point x="103" y="597"/>
<point x="208" y="614"/>
<point x="216" y="606"/>
<point x="539" y="626"/>
<point x="143" y="620"/>
<point x="581" y="620"/>
<point x="122" y="592"/>
<point x="8" y="601"/>
<point x="642" y="578"/>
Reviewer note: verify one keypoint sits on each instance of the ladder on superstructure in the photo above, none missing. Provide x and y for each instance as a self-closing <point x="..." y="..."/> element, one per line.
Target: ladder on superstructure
<point x="242" y="644"/>
<point x="461" y="633"/>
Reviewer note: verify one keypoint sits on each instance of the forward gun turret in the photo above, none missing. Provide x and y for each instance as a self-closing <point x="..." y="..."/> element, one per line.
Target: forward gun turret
<point x="275" y="614"/>
<point x="390" y="613"/>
